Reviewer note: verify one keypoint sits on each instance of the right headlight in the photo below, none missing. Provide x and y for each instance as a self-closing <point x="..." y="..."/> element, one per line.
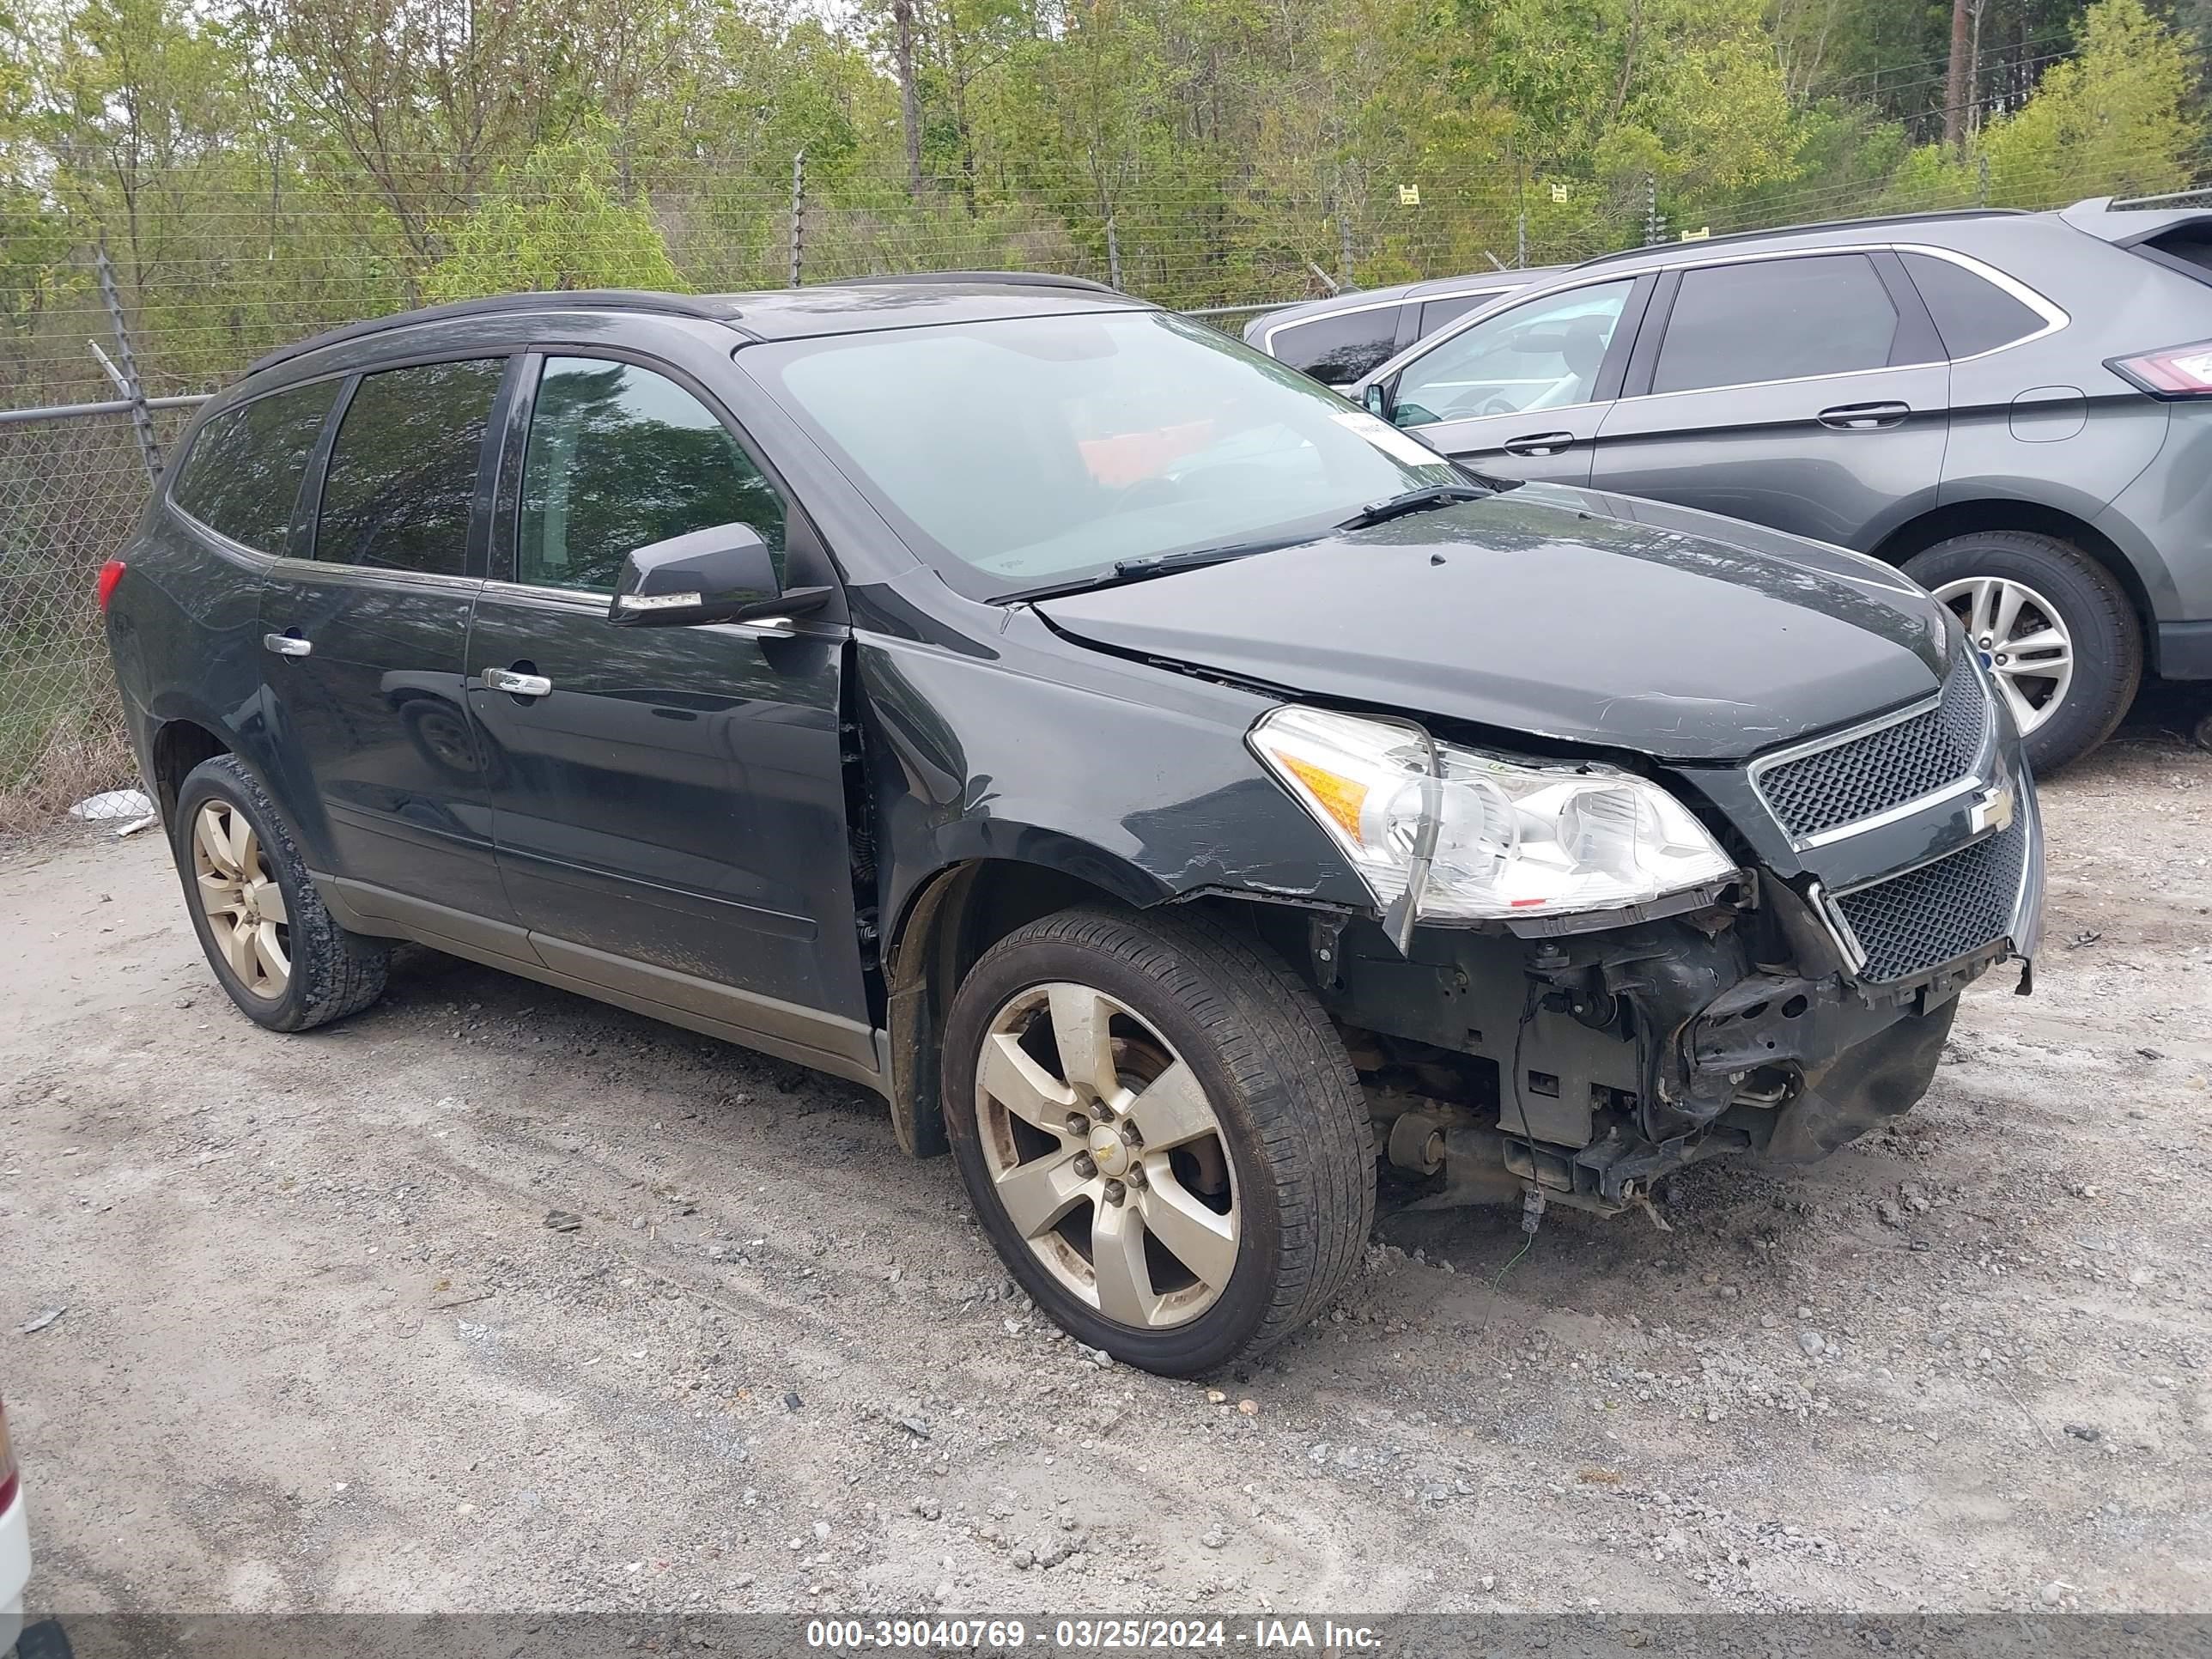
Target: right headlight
<point x="1476" y="836"/>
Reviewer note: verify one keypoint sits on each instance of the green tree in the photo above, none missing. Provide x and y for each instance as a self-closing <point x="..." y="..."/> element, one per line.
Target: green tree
<point x="554" y="223"/>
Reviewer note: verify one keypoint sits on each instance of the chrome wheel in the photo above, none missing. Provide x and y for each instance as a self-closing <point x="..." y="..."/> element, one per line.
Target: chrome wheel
<point x="2022" y="641"/>
<point x="238" y="895"/>
<point x="1106" y="1156"/>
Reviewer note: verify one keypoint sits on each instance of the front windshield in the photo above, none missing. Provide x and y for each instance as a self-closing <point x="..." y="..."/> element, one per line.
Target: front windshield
<point x="1033" y="451"/>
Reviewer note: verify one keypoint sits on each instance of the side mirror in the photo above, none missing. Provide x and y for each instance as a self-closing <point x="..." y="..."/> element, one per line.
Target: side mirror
<point x="722" y="573"/>
<point x="1377" y="399"/>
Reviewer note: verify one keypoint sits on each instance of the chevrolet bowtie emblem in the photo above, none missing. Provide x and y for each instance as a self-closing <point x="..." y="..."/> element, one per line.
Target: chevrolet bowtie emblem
<point x="1992" y="809"/>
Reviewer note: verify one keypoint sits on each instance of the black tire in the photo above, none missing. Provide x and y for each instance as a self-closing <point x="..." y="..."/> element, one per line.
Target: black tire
<point x="333" y="973"/>
<point x="2093" y="609"/>
<point x="1292" y="1119"/>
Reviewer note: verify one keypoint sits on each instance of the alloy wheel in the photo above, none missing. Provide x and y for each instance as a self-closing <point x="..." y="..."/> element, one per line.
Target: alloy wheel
<point x="1106" y="1156"/>
<point x="238" y="895"/>
<point x="2022" y="640"/>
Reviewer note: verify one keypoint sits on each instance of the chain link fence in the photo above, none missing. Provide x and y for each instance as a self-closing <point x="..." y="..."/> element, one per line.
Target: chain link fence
<point x="72" y="481"/>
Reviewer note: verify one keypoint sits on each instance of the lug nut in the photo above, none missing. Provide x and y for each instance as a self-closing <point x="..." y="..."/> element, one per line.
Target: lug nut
<point x="1115" y="1192"/>
<point x="1101" y="1111"/>
<point x="1084" y="1166"/>
<point x="1078" y="1125"/>
<point x="1131" y="1135"/>
<point x="1136" y="1174"/>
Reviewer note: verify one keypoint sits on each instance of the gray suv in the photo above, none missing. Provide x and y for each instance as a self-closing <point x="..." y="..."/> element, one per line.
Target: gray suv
<point x="2013" y="407"/>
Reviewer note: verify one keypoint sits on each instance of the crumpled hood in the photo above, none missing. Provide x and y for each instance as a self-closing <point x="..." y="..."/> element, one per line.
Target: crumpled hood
<point x="1568" y="613"/>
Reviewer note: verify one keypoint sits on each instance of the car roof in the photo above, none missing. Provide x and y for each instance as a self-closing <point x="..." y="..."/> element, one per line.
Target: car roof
<point x="853" y="305"/>
<point x="1396" y="293"/>
<point x="1841" y="229"/>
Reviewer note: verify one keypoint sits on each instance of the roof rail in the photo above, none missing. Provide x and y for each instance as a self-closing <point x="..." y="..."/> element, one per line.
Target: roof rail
<point x="1804" y="230"/>
<point x="1010" y="278"/>
<point x="590" y="299"/>
<point x="2112" y="203"/>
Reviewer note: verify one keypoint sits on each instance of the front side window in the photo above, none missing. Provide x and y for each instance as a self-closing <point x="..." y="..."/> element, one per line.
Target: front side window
<point x="1775" y="320"/>
<point x="1338" y="349"/>
<point x="243" y="475"/>
<point x="1543" y="354"/>
<point x="1033" y="451"/>
<point x="620" y="456"/>
<point x="402" y="471"/>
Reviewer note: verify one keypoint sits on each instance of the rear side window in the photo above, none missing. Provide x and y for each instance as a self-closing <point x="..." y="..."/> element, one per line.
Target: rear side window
<point x="242" y="478"/>
<point x="403" y="471"/>
<point x="1435" y="313"/>
<point x="1775" y="320"/>
<point x="1340" y="347"/>
<point x="620" y="456"/>
<point x="1971" y="314"/>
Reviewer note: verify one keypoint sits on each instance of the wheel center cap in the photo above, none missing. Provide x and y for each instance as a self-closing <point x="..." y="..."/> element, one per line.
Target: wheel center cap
<point x="1107" y="1151"/>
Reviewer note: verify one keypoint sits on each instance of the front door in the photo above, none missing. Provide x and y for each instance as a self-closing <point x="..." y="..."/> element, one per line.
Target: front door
<point x="1520" y="394"/>
<point x="1806" y="394"/>
<point x="366" y="637"/>
<point x="670" y="808"/>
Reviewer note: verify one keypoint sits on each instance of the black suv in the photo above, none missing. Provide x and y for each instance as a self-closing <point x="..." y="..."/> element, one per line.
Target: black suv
<point x="2016" y="408"/>
<point x="1157" y="777"/>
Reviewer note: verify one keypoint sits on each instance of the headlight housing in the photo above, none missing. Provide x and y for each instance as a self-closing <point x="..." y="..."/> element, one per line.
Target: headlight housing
<point x="1470" y="837"/>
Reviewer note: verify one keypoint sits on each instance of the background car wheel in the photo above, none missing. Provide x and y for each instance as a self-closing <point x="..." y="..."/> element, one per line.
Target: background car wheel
<point x="2054" y="627"/>
<point x="1161" y="1133"/>
<point x="285" y="961"/>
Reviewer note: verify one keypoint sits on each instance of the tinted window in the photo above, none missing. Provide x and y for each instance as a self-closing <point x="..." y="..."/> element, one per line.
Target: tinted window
<point x="1777" y="319"/>
<point x="403" y="473"/>
<point x="1435" y="313"/>
<point x="1543" y="354"/>
<point x="620" y="456"/>
<point x="1340" y="347"/>
<point x="1972" y="312"/>
<point x="243" y="474"/>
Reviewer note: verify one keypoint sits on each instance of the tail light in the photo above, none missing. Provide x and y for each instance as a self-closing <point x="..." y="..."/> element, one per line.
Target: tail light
<point x="2182" y="371"/>
<point x="110" y="573"/>
<point x="9" y="1479"/>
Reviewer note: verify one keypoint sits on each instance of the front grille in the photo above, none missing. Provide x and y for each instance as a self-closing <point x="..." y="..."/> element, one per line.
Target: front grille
<point x="1929" y="916"/>
<point x="1862" y="776"/>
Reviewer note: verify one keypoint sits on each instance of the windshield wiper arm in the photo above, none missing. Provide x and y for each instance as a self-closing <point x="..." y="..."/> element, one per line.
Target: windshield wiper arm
<point x="1150" y="564"/>
<point x="1426" y="499"/>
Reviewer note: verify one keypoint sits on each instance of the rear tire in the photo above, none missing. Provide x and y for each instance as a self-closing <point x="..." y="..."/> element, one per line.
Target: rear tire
<point x="1207" y="1172"/>
<point x="2060" y="589"/>
<point x="275" y="949"/>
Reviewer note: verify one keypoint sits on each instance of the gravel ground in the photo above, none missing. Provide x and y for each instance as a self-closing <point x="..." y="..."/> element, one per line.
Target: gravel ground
<point x="321" y="1349"/>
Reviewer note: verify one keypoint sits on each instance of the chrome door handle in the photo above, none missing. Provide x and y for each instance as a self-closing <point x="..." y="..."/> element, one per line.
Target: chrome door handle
<point x="522" y="685"/>
<point x="1539" y="443"/>
<point x="1864" y="417"/>
<point x="287" y="645"/>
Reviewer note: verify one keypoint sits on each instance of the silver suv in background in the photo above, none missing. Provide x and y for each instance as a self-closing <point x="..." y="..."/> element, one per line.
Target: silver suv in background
<point x="2015" y="408"/>
<point x="1339" y="339"/>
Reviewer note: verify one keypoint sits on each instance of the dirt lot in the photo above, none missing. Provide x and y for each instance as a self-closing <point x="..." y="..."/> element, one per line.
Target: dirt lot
<point x="321" y="1351"/>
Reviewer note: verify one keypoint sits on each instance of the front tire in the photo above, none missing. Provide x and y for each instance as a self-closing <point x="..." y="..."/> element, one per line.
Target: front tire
<point x="1161" y="1133"/>
<point x="275" y="949"/>
<point x="2054" y="628"/>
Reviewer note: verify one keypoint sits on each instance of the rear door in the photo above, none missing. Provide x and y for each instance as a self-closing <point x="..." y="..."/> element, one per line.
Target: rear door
<point x="671" y="810"/>
<point x="1521" y="392"/>
<point x="1338" y="346"/>
<point x="365" y="636"/>
<point x="1807" y="392"/>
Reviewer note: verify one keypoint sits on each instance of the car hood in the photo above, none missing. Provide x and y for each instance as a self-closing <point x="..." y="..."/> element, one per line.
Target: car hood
<point x="1566" y="613"/>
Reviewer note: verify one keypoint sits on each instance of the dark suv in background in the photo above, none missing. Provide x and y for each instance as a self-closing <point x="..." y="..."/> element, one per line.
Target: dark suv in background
<point x="1158" y="778"/>
<point x="1337" y="339"/>
<point x="2015" y="408"/>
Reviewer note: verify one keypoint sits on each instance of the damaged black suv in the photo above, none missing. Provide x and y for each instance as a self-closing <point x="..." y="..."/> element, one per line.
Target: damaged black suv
<point x="1176" y="791"/>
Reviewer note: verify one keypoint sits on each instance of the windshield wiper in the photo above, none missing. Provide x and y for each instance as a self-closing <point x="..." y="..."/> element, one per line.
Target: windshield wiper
<point x="1426" y="499"/>
<point x="1149" y="565"/>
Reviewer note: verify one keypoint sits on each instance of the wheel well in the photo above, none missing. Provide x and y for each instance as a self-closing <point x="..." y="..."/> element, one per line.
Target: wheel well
<point x="1963" y="518"/>
<point x="179" y="746"/>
